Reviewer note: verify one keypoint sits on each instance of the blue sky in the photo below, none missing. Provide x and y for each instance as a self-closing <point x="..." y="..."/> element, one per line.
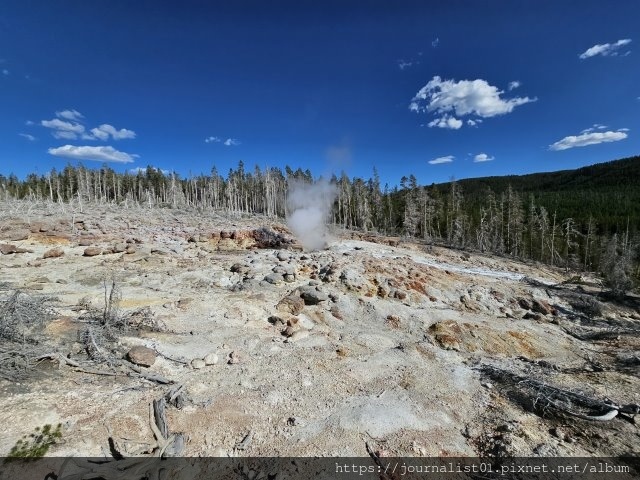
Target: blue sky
<point x="437" y="89"/>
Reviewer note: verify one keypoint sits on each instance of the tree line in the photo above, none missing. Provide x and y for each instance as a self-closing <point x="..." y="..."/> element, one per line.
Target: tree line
<point x="530" y="225"/>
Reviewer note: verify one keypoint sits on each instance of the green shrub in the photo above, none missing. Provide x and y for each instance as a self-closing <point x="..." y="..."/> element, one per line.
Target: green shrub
<point x="36" y="444"/>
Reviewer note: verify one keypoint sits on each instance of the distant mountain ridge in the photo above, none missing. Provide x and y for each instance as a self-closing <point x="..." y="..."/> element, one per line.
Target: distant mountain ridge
<point x="625" y="171"/>
<point x="609" y="192"/>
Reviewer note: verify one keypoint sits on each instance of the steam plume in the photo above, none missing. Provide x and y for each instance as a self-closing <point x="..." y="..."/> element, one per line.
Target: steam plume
<point x="308" y="208"/>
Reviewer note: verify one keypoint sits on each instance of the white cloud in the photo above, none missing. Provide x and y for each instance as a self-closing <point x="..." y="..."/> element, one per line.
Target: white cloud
<point x="446" y="159"/>
<point x="605" y="49"/>
<point x="31" y="138"/>
<point x="589" y="138"/>
<point x="72" y="115"/>
<point x="466" y="97"/>
<point x="63" y="129"/>
<point x="29" y="123"/>
<point x="5" y="72"/>
<point x="68" y="126"/>
<point x="482" y="157"/>
<point x="100" y="154"/>
<point x="229" y="142"/>
<point x="435" y="43"/>
<point x="63" y="134"/>
<point x="473" y="122"/>
<point x="597" y="126"/>
<point x="446" y="121"/>
<point x="514" y="84"/>
<point x="105" y="130"/>
<point x="403" y="64"/>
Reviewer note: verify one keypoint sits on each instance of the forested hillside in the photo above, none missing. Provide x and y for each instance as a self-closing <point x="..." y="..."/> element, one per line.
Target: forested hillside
<point x="609" y="192"/>
<point x="586" y="219"/>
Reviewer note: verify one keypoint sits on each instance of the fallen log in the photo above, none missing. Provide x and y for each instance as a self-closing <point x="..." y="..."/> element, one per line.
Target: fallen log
<point x="563" y="400"/>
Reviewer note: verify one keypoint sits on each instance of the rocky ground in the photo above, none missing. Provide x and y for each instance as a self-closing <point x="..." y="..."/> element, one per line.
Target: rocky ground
<point x="415" y="350"/>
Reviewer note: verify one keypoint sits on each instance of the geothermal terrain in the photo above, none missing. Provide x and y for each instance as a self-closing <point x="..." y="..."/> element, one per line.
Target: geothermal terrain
<point x="261" y="348"/>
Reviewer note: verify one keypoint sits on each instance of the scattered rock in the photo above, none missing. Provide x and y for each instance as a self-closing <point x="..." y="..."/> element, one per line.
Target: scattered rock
<point x="400" y="295"/>
<point x="267" y="238"/>
<point x="234" y="358"/>
<point x="524" y="304"/>
<point x="92" y="251"/>
<point x="130" y="249"/>
<point x="393" y="321"/>
<point x="292" y="304"/>
<point x="470" y="304"/>
<point x="312" y="296"/>
<point x="198" y="363"/>
<point x="353" y="280"/>
<point x="159" y="251"/>
<point x="211" y="359"/>
<point x="532" y="316"/>
<point x="240" y="268"/>
<point x="142" y="356"/>
<point x="447" y="334"/>
<point x="283" y="256"/>
<point x="274" y="278"/>
<point x="53" y="253"/>
<point x="19" y="235"/>
<point x="487" y="385"/>
<point x="119" y="248"/>
<point x="290" y="330"/>
<point x="7" y="249"/>
<point x="277" y="321"/>
<point x="543" y="307"/>
<point x="306" y="322"/>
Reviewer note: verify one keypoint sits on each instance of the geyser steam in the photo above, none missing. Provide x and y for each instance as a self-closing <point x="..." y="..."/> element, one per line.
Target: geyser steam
<point x="308" y="209"/>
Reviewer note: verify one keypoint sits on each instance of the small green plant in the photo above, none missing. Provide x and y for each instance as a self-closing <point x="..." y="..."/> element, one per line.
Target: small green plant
<point x="36" y="444"/>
